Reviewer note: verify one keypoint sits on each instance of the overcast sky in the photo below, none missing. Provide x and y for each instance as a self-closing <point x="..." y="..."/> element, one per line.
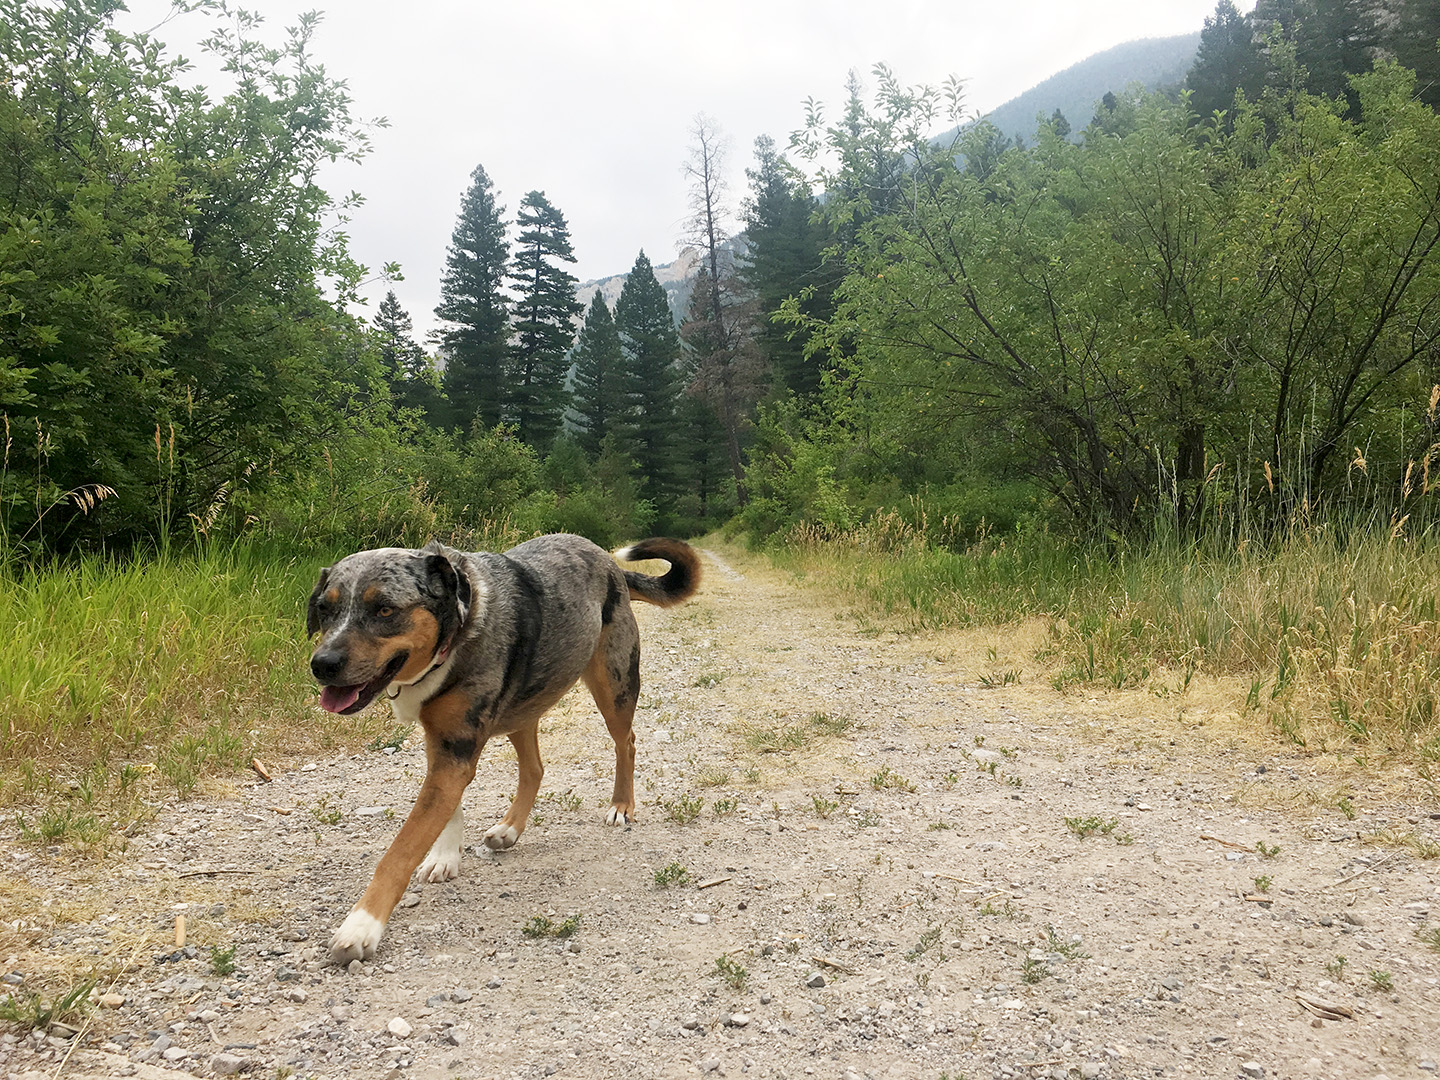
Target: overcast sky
<point x="592" y="102"/>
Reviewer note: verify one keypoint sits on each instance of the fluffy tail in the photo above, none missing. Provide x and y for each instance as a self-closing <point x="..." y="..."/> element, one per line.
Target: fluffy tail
<point x="676" y="584"/>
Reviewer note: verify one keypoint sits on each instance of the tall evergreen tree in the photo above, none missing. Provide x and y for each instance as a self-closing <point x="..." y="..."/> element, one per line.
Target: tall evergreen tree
<point x="599" y="398"/>
<point x="407" y="367"/>
<point x="1228" y="59"/>
<point x="651" y="347"/>
<point x="1414" y="44"/>
<point x="785" y="258"/>
<point x="545" y="312"/>
<point x="472" y="303"/>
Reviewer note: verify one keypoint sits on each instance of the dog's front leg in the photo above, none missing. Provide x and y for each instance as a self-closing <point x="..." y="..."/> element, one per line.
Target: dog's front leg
<point x="452" y="745"/>
<point x="360" y="933"/>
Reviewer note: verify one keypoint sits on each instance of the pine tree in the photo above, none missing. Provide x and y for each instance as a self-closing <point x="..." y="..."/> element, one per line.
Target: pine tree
<point x="407" y="368"/>
<point x="545" y="312"/>
<point x="1413" y="41"/>
<point x="1227" y="60"/>
<point x="785" y="258"/>
<point x="474" y="344"/>
<point x="651" y="347"/>
<point x="599" y="398"/>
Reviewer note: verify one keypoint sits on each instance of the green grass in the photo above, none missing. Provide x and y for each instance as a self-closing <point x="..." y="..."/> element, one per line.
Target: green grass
<point x="541" y="926"/>
<point x="732" y="972"/>
<point x="168" y="669"/>
<point x="1087" y="826"/>
<point x="671" y="874"/>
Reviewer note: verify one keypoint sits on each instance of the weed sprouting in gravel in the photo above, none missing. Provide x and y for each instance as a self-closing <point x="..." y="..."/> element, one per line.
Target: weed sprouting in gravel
<point x="683" y="810"/>
<point x="1382" y="980"/>
<point x="1032" y="970"/>
<point x="928" y="940"/>
<point x="1336" y="967"/>
<point x="1263" y="883"/>
<point x="671" y="874"/>
<point x="541" y="926"/>
<point x="731" y="971"/>
<point x="222" y="960"/>
<point x="724" y="807"/>
<point x="1430" y="936"/>
<point x="886" y="778"/>
<point x="1085" y="826"/>
<point x="1070" y="950"/>
<point x="31" y="1010"/>
<point x="823" y="807"/>
<point x="1267" y="851"/>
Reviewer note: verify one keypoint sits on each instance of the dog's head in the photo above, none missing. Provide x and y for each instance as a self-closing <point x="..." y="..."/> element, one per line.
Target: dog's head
<point x="382" y="616"/>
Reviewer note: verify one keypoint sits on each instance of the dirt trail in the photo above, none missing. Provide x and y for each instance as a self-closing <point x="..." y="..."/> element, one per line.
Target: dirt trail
<point x="881" y="883"/>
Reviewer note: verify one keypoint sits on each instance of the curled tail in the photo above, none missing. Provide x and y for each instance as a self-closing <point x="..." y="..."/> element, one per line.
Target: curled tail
<point x="676" y="584"/>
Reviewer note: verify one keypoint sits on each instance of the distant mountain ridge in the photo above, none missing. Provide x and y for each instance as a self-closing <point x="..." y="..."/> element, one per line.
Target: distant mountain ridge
<point x="1155" y="63"/>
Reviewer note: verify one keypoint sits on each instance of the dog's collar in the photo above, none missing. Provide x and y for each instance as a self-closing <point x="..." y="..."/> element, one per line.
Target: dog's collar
<point x="441" y="655"/>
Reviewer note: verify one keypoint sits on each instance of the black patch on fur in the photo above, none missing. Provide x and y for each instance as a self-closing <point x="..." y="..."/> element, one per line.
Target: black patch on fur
<point x="312" y="609"/>
<point x="628" y="690"/>
<point x="612" y="597"/>
<point x="477" y="711"/>
<point x="521" y="679"/>
<point x="461" y="749"/>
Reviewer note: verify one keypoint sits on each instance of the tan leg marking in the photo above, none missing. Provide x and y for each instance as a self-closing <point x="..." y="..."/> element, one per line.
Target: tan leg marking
<point x="619" y="720"/>
<point x="507" y="830"/>
<point x="444" y="721"/>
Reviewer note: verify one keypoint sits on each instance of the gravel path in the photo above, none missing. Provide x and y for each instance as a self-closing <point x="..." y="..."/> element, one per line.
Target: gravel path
<point x="880" y="882"/>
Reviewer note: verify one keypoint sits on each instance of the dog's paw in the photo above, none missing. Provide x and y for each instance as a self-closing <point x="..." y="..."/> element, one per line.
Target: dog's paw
<point x="358" y="937"/>
<point x="499" y="837"/>
<point x="620" y="815"/>
<point x="440" y="866"/>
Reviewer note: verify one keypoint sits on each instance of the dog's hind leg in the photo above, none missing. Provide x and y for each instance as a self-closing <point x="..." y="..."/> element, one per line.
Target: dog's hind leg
<point x="613" y="679"/>
<point x="507" y="830"/>
<point x="443" y="861"/>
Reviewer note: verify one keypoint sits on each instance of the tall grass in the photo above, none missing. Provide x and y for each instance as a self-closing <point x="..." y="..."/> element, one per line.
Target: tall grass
<point x="1335" y="631"/>
<point x="176" y="666"/>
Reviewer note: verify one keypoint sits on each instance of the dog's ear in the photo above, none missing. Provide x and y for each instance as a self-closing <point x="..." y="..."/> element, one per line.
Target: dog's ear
<point x="312" y="616"/>
<point x="452" y="587"/>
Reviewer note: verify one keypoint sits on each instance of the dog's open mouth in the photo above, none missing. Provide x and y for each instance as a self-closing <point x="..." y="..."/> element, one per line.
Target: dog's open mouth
<point x="347" y="700"/>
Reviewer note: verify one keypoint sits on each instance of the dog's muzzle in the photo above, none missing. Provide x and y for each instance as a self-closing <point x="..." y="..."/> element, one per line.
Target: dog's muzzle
<point x="349" y="698"/>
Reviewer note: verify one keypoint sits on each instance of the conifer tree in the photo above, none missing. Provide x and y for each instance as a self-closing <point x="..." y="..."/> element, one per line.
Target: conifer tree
<point x="407" y="368"/>
<point x="599" y="398"/>
<point x="784" y="258"/>
<point x="651" y="347"/>
<point x="472" y="303"/>
<point x="545" y="312"/>
<point x="1227" y="60"/>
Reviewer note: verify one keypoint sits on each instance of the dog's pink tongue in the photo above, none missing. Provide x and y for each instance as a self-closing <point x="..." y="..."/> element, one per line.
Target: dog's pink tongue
<point x="338" y="698"/>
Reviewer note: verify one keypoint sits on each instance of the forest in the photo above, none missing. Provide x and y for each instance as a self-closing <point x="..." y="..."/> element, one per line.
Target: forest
<point x="1205" y="326"/>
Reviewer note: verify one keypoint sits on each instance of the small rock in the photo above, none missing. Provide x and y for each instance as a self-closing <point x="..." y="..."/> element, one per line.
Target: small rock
<point x="451" y="1037"/>
<point x="111" y="1000"/>
<point x="1252" y="1069"/>
<point x="296" y="995"/>
<point x="371" y="811"/>
<point x="765" y="999"/>
<point x="710" y="1065"/>
<point x="228" y="1064"/>
<point x="460" y="996"/>
<point x="815" y="981"/>
<point x="410" y="899"/>
<point x="700" y="918"/>
<point x="738" y="1019"/>
<point x="1090" y="1070"/>
<point x="494" y="984"/>
<point x="1428" y="1065"/>
<point x="286" y="974"/>
<point x="12" y="978"/>
<point x="399" y="1028"/>
<point x="175" y="1053"/>
<point x="572" y="947"/>
<point x="434" y="1001"/>
<point x="355" y="967"/>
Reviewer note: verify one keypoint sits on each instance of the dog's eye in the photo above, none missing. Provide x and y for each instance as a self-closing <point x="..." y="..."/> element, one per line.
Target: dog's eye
<point x="385" y="612"/>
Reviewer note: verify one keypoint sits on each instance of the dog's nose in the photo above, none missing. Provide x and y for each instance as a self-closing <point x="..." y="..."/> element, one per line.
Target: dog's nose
<point x="326" y="665"/>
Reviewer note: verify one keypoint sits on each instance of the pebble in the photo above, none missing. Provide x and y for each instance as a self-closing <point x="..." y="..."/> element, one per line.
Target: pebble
<point x="175" y="1053"/>
<point x="355" y="967"/>
<point x="1090" y="1070"/>
<point x="228" y="1064"/>
<point x="296" y="995"/>
<point x="700" y="918"/>
<point x="1252" y="1069"/>
<point x="1428" y="1065"/>
<point x="399" y="1028"/>
<point x="815" y="981"/>
<point x="738" y="1019"/>
<point x="494" y="984"/>
<point x="111" y="1000"/>
<point x="710" y="1065"/>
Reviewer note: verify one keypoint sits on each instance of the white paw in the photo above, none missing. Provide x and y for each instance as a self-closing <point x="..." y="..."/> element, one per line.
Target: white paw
<point x="619" y="816"/>
<point x="443" y="861"/>
<point x="358" y="937"/>
<point x="501" y="836"/>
